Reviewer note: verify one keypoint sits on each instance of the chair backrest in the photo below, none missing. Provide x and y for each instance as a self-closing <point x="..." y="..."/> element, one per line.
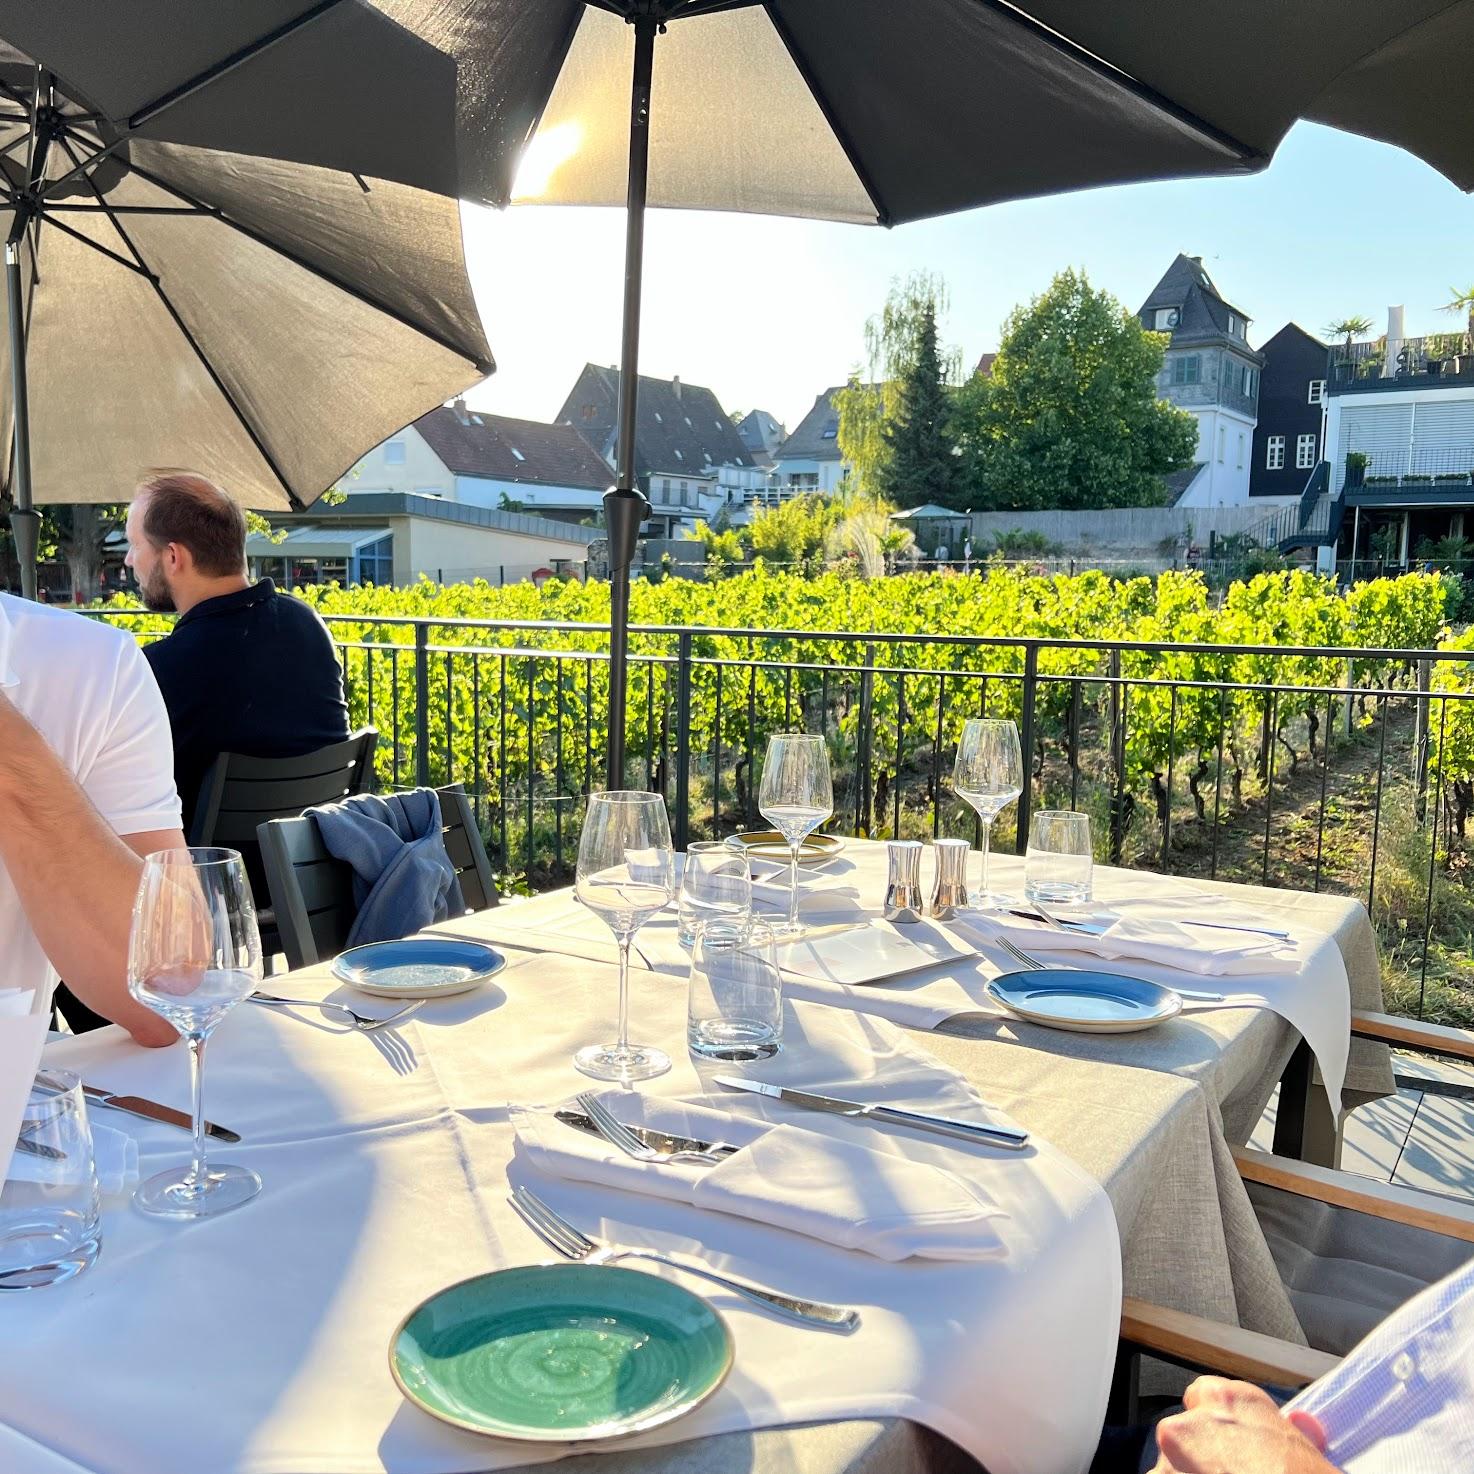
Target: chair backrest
<point x="240" y="793"/>
<point x="312" y="893"/>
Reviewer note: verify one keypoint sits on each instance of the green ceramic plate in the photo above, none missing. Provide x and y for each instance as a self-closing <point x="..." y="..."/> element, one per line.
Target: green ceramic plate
<point x="561" y="1353"/>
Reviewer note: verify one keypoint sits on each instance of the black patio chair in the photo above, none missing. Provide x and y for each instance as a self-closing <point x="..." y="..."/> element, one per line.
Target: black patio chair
<point x="312" y="893"/>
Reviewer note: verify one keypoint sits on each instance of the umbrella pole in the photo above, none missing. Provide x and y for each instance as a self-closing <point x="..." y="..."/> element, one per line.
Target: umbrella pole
<point x="25" y="520"/>
<point x="625" y="506"/>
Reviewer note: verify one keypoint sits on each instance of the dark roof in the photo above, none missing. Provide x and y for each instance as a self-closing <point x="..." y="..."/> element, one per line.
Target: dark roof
<point x="816" y="436"/>
<point x="376" y="505"/>
<point x="474" y="444"/>
<point x="985" y="365"/>
<point x="1177" y="482"/>
<point x="1292" y="335"/>
<point x="761" y="434"/>
<point x="682" y="427"/>
<point x="1204" y="309"/>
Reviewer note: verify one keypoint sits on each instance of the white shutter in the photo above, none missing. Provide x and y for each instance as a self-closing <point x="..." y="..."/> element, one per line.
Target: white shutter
<point x="1381" y="432"/>
<point x="1443" y="436"/>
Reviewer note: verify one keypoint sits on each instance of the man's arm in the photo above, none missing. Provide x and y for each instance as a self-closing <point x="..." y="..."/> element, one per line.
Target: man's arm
<point x="1236" y="1428"/>
<point x="76" y="879"/>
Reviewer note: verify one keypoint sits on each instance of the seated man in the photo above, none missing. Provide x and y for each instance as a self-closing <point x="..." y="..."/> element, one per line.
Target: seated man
<point x="1402" y="1402"/>
<point x="245" y="669"/>
<point x="85" y="790"/>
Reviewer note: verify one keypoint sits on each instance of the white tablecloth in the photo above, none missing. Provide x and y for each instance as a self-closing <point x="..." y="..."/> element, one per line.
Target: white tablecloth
<point x="257" y="1342"/>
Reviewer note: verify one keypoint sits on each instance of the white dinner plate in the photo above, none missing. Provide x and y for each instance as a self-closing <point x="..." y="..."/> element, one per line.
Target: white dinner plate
<point x="1084" y="1002"/>
<point x="418" y="967"/>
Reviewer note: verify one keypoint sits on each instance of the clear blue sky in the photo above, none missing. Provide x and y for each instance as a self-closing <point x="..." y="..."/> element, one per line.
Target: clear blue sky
<point x="768" y="312"/>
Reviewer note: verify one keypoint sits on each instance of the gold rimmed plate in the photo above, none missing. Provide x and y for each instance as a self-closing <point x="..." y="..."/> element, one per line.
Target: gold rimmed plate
<point x="769" y="844"/>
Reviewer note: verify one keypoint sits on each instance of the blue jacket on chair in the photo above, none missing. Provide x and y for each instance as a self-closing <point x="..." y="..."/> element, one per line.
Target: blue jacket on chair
<point x="402" y="877"/>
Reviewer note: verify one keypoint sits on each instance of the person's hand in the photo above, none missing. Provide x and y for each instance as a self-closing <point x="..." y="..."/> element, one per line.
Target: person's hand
<point x="1236" y="1428"/>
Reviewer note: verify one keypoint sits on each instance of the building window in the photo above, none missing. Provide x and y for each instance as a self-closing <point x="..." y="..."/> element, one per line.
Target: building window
<point x="516" y="452"/>
<point x="1187" y="370"/>
<point x="1235" y="326"/>
<point x="1274" y="454"/>
<point x="376" y="562"/>
<point x="1241" y="450"/>
<point x="1167" y="319"/>
<point x="1248" y="381"/>
<point x="1317" y="393"/>
<point x="830" y="432"/>
<point x="394" y="452"/>
<point x="1305" y="449"/>
<point x="1222" y="443"/>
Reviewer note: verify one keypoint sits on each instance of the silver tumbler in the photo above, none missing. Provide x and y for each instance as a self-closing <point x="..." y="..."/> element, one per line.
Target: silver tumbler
<point x="949" y="891"/>
<point x="903" y="882"/>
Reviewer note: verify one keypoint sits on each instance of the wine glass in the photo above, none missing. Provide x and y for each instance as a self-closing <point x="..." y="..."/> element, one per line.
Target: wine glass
<point x="989" y="774"/>
<point x="193" y="954"/>
<point x="626" y="874"/>
<point x="796" y="797"/>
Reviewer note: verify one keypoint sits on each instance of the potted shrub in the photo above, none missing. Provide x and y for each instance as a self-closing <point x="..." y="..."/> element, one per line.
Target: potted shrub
<point x="1356" y="468"/>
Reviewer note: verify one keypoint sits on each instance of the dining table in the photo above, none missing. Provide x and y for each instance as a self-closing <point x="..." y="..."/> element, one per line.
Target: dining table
<point x="259" y="1342"/>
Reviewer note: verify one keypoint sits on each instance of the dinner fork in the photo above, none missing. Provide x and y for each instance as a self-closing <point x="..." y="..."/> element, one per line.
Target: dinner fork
<point x="1032" y="964"/>
<point x="363" y="1022"/>
<point x="616" y="1133"/>
<point x="560" y="1235"/>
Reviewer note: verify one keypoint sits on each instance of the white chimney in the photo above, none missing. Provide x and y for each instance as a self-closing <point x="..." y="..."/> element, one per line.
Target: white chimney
<point x="1396" y="333"/>
<point x="675" y="384"/>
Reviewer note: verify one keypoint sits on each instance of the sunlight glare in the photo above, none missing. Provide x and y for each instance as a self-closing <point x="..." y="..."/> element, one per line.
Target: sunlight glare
<point x="549" y="149"/>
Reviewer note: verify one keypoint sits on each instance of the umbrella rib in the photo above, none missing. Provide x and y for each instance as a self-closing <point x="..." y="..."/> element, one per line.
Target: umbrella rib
<point x="77" y="235"/>
<point x="164" y="300"/>
<point x="1103" y="69"/>
<point x="841" y="134"/>
<point x="484" y="366"/>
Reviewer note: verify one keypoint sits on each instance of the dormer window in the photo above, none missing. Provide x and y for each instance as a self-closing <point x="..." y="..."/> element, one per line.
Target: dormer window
<point x="1168" y="318"/>
<point x="517" y="453"/>
<point x="1235" y="325"/>
<point x="678" y="455"/>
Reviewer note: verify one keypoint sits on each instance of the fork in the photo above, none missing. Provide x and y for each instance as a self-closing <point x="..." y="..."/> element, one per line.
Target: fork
<point x="565" y="1239"/>
<point x="364" y="1023"/>
<point x="1032" y="964"/>
<point x="616" y="1133"/>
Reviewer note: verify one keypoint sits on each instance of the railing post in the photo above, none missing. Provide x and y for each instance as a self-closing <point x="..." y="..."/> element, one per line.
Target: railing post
<point x="1026" y="743"/>
<point x="1118" y="759"/>
<point x="1420" y="738"/>
<point x="864" y="807"/>
<point x="683" y="741"/>
<point x="422" y="705"/>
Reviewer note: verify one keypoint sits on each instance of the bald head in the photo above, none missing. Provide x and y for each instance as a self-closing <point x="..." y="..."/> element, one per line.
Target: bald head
<point x="186" y="540"/>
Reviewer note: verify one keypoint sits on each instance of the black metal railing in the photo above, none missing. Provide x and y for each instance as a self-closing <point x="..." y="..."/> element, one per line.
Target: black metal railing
<point x="1318" y="768"/>
<point x="1362" y="365"/>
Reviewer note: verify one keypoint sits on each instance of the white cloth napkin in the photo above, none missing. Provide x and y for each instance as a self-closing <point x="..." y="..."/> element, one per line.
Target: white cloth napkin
<point x="804" y="1181"/>
<point x="114" y="1153"/>
<point x="1151" y="938"/>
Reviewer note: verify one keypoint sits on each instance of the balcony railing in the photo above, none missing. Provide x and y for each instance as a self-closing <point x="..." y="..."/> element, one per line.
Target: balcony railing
<point x="1366" y="366"/>
<point x="1413" y="471"/>
<point x="1315" y="768"/>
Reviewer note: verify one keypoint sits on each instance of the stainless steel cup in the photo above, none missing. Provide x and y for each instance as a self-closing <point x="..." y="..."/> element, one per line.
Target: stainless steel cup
<point x="903" y="901"/>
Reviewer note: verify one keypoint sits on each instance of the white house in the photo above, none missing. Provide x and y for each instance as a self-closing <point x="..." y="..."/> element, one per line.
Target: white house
<point x="809" y="459"/>
<point x="1211" y="371"/>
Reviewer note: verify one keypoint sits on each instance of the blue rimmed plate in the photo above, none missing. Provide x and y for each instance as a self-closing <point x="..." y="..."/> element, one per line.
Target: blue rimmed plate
<point x="418" y="967"/>
<point x="1085" y="1002"/>
<point x="561" y="1353"/>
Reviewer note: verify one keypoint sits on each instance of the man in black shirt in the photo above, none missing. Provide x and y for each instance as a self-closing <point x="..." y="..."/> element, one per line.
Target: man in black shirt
<point x="246" y="669"/>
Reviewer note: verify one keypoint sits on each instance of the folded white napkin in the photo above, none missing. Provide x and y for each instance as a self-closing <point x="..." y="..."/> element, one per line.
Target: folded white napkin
<point x="114" y="1154"/>
<point x="16" y="1002"/>
<point x="820" y="901"/>
<point x="1150" y="938"/>
<point x="804" y="1181"/>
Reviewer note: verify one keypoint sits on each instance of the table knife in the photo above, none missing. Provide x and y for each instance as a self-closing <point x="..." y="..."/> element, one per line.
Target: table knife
<point x="660" y="1141"/>
<point x="1006" y="1136"/>
<point x="151" y="1110"/>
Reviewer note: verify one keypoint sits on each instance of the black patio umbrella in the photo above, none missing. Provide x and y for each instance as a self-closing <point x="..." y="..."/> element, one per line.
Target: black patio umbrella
<point x="171" y="304"/>
<point x="873" y="111"/>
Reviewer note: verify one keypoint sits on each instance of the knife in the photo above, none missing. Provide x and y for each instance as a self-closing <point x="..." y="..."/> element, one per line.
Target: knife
<point x="151" y="1110"/>
<point x="659" y="1141"/>
<point x="1007" y="1136"/>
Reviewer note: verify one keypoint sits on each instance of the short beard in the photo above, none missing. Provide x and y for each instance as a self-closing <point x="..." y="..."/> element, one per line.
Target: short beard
<point x="156" y="595"/>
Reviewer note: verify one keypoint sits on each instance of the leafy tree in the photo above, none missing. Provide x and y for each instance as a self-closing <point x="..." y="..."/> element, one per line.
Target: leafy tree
<point x="1069" y="416"/>
<point x="922" y="465"/>
<point x="869" y="404"/>
<point x="794" y="531"/>
<point x="720" y="544"/>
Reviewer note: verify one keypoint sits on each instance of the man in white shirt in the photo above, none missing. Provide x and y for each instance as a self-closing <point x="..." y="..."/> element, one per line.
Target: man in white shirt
<point x="1401" y="1403"/>
<point x="86" y="788"/>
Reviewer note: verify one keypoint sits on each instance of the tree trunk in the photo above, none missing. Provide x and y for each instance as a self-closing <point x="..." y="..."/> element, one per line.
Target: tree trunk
<point x="83" y="549"/>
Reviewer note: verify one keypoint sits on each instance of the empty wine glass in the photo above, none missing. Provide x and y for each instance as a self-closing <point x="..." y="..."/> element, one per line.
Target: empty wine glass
<point x="626" y="874"/>
<point x="989" y="774"/>
<point x="796" y="797"/>
<point x="193" y="954"/>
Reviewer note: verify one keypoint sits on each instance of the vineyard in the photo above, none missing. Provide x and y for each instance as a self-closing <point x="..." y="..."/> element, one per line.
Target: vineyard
<point x="1181" y="753"/>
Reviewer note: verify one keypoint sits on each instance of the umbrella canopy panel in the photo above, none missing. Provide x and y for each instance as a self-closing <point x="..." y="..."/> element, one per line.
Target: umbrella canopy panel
<point x="269" y="323"/>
